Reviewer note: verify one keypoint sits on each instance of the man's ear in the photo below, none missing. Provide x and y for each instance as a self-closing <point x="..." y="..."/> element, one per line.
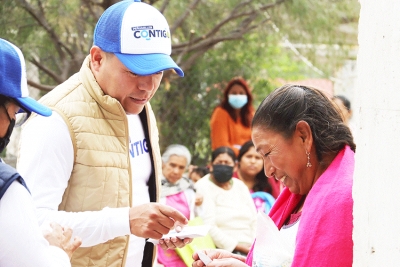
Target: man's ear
<point x="303" y="130"/>
<point x="97" y="57"/>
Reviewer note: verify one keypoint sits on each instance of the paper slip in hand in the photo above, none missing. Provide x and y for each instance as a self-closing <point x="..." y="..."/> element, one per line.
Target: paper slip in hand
<point x="272" y="247"/>
<point x="187" y="232"/>
<point x="203" y="257"/>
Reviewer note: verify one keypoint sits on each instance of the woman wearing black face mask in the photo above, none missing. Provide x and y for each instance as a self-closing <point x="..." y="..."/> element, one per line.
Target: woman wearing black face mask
<point x="227" y="205"/>
<point x="5" y="118"/>
<point x="22" y="241"/>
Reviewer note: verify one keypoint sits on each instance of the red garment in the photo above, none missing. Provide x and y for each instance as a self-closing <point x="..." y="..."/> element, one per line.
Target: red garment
<point x="324" y="238"/>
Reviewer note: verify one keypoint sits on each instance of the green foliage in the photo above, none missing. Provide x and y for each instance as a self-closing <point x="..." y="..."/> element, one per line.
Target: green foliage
<point x="57" y="35"/>
<point x="3" y="153"/>
<point x="316" y="21"/>
<point x="326" y="28"/>
<point x="184" y="109"/>
<point x="183" y="114"/>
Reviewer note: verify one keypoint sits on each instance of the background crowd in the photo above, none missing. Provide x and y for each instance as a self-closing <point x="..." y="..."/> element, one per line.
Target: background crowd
<point x="237" y="185"/>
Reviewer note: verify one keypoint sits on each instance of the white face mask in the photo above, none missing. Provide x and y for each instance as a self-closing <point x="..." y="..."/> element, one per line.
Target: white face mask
<point x="237" y="101"/>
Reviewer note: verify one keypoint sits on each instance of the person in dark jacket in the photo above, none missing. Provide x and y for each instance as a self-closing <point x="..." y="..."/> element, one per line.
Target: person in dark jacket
<point x="19" y="230"/>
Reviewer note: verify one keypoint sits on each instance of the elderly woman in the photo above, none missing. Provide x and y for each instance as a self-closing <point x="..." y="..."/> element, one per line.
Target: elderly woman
<point x="306" y="146"/>
<point x="177" y="192"/>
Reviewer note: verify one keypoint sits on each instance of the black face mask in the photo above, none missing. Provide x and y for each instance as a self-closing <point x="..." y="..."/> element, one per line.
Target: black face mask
<point x="222" y="173"/>
<point x="6" y="139"/>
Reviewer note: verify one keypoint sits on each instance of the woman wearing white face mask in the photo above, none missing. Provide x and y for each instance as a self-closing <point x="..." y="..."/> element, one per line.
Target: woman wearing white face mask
<point x="230" y="121"/>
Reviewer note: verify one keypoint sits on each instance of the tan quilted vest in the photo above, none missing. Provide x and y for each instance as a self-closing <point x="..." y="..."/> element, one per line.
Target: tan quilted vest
<point x="101" y="175"/>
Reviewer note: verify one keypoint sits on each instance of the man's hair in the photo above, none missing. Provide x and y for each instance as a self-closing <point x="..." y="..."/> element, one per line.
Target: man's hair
<point x="286" y="106"/>
<point x="177" y="150"/>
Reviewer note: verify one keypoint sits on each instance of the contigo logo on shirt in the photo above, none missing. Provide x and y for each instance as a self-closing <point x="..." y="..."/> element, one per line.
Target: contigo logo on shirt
<point x="138" y="148"/>
<point x="147" y="32"/>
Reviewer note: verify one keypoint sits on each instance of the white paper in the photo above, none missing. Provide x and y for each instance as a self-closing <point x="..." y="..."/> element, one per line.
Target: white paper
<point x="203" y="257"/>
<point x="187" y="232"/>
<point x="271" y="248"/>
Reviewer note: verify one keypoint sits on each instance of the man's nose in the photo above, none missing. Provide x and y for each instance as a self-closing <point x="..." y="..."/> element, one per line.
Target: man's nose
<point x="145" y="82"/>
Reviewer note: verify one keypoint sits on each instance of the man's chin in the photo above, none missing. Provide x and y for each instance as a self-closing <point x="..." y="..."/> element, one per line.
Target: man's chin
<point x="134" y="110"/>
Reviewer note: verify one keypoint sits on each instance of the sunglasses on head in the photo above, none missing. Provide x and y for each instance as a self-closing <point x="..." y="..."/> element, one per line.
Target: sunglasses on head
<point x="23" y="114"/>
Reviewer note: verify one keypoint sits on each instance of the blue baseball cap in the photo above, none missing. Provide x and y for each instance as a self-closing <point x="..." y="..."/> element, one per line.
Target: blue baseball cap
<point x="138" y="34"/>
<point x="13" y="83"/>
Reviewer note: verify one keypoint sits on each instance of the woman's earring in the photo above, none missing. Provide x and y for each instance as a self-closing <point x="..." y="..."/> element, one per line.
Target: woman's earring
<point x="308" y="159"/>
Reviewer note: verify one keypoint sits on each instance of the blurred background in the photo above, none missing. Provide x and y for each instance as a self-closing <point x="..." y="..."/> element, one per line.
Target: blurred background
<point x="268" y="43"/>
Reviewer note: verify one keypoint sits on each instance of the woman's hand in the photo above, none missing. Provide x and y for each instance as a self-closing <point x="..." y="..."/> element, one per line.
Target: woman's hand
<point x="173" y="242"/>
<point x="220" y="258"/>
<point x="60" y="237"/>
<point x="199" y="199"/>
<point x="243" y="247"/>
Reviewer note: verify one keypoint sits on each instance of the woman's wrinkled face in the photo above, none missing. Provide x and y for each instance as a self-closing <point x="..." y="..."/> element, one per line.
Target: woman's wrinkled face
<point x="251" y="162"/>
<point x="174" y="168"/>
<point x="284" y="159"/>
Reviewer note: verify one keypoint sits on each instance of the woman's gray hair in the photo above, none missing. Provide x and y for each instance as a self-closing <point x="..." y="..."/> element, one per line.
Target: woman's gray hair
<point x="177" y="150"/>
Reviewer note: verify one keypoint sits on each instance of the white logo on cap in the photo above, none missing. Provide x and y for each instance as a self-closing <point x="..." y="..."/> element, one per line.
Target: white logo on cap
<point x="144" y="30"/>
<point x="147" y="32"/>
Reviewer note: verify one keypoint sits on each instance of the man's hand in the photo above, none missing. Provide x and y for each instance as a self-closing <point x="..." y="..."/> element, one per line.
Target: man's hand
<point x="152" y="220"/>
<point x="60" y="237"/>
<point x="174" y="242"/>
<point x="220" y="258"/>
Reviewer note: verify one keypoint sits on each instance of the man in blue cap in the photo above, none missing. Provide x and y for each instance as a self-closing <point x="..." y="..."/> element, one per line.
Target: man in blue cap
<point x="95" y="164"/>
<point x="22" y="242"/>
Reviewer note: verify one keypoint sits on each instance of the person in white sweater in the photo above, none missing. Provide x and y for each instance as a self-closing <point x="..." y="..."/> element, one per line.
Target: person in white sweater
<point x="227" y="205"/>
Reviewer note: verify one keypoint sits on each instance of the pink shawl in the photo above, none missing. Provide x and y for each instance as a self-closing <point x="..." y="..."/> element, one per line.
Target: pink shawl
<point x="324" y="237"/>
